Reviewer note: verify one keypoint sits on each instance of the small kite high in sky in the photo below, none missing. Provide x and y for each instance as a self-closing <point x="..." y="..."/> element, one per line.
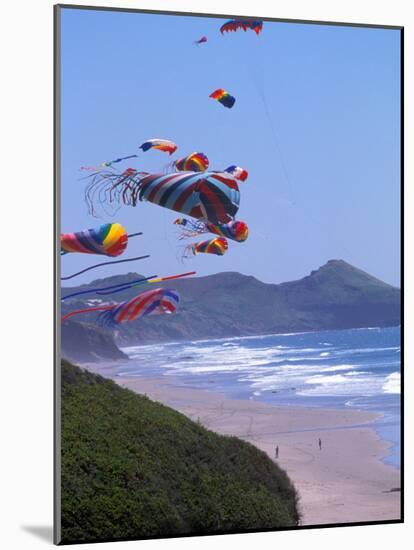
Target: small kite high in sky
<point x="223" y="97"/>
<point x="151" y="302"/>
<point x="201" y="40"/>
<point x="236" y="24"/>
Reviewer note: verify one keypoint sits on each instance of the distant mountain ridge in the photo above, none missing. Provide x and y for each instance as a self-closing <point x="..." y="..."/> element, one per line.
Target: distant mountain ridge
<point x="335" y="296"/>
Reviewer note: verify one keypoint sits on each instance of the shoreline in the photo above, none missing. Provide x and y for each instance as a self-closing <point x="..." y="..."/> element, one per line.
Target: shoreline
<point x="346" y="481"/>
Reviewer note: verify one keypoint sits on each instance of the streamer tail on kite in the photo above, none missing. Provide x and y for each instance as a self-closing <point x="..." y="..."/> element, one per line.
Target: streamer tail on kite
<point x="104" y="264"/>
<point x="107" y="164"/>
<point x="149" y="281"/>
<point x="113" y="289"/>
<point x="107" y="289"/>
<point x="235" y="230"/>
<point x="104" y="189"/>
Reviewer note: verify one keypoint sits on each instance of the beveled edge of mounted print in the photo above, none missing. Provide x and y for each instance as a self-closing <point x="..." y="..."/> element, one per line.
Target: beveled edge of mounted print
<point x="227" y="347"/>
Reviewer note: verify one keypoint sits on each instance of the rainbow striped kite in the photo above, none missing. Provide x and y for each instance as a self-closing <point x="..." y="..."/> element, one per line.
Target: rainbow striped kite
<point x="196" y="162"/>
<point x="217" y="246"/>
<point x="223" y="97"/>
<point x="109" y="239"/>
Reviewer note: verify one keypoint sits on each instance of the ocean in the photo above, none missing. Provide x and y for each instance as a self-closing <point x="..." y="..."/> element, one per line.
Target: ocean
<point x="357" y="369"/>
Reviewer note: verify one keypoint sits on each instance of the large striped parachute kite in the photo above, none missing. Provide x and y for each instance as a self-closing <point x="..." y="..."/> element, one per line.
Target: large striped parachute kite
<point x="164" y="145"/>
<point x="196" y="162"/>
<point x="234" y="230"/>
<point x="151" y="302"/>
<point x="236" y="24"/>
<point x="109" y="239"/>
<point x="211" y="196"/>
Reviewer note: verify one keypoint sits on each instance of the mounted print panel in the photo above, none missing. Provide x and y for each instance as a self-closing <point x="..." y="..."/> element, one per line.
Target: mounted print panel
<point x="228" y="295"/>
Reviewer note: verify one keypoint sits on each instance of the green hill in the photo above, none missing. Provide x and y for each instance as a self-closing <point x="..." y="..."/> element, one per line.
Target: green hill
<point x="133" y="468"/>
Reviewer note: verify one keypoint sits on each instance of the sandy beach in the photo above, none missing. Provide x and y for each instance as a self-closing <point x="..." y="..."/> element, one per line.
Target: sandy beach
<point x="343" y="482"/>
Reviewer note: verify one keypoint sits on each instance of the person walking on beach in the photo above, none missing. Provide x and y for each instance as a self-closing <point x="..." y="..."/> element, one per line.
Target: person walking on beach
<point x="320" y="444"/>
<point x="277" y="452"/>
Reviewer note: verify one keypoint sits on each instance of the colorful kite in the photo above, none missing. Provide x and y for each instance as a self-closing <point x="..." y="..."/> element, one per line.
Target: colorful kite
<point x="212" y="196"/>
<point x="217" y="246"/>
<point x="201" y="40"/>
<point x="234" y="230"/>
<point x="239" y="173"/>
<point x="196" y="162"/>
<point x="109" y="239"/>
<point x="223" y="97"/>
<point x="245" y="24"/>
<point x="161" y="144"/>
<point x="151" y="302"/>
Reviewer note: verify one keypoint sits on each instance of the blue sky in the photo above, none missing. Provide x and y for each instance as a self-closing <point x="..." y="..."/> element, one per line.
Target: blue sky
<point x="316" y="124"/>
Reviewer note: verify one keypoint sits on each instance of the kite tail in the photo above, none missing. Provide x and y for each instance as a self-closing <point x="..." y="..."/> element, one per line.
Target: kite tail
<point x="190" y="228"/>
<point x="110" y="187"/>
<point x="188" y="251"/>
<point x="88" y="310"/>
<point x="104" y="264"/>
<point x="149" y="280"/>
<point x="108" y="289"/>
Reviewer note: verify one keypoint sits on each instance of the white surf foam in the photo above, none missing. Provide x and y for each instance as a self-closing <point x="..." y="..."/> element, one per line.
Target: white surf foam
<point x="392" y="383"/>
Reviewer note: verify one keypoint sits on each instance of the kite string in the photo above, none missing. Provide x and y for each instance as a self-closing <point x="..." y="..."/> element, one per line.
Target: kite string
<point x="261" y="90"/>
<point x="260" y="87"/>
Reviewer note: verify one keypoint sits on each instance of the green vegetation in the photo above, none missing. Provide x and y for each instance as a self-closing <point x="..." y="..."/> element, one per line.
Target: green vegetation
<point x="133" y="468"/>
